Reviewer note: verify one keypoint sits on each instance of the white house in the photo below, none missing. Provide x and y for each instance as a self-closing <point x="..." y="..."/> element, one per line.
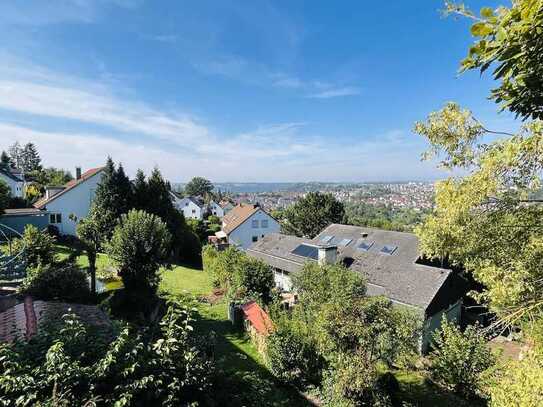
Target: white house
<point x="216" y="209"/>
<point x="246" y="224"/>
<point x="226" y="206"/>
<point x="14" y="181"/>
<point x="72" y="201"/>
<point x="191" y="206"/>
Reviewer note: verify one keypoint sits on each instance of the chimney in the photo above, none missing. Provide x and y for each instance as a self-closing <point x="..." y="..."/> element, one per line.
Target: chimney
<point x="77" y="173"/>
<point x="327" y="255"/>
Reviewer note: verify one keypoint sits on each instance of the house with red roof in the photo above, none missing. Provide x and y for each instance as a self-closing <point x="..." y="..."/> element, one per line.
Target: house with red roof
<point x="70" y="202"/>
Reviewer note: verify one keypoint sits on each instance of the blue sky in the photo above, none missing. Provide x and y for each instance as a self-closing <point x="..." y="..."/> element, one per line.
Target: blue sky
<point x="235" y="90"/>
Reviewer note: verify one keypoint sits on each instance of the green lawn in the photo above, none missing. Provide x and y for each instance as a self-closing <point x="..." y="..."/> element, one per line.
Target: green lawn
<point x="236" y="356"/>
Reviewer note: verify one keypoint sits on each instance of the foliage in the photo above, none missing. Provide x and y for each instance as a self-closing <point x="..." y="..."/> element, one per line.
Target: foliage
<point x="382" y="216"/>
<point x="311" y="214"/>
<point x="135" y="369"/>
<point x="240" y="276"/>
<point x="517" y="383"/>
<point x="37" y="246"/>
<point x="141" y="195"/>
<point x="50" y="176"/>
<point x="352" y="381"/>
<point x="92" y="232"/>
<point x="369" y="326"/>
<point x="139" y="246"/>
<point x="113" y="196"/>
<point x="460" y="358"/>
<point x="63" y="282"/>
<point x="5" y="161"/>
<point x="317" y="285"/>
<point x="5" y="194"/>
<point x="198" y="186"/>
<point x="509" y="40"/>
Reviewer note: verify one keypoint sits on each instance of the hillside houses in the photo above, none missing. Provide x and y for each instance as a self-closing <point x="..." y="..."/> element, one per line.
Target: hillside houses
<point x="388" y="260"/>
<point x="14" y="180"/>
<point x="246" y="224"/>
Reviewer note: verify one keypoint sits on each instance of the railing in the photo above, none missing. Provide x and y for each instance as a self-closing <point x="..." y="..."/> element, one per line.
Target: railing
<point x="12" y="266"/>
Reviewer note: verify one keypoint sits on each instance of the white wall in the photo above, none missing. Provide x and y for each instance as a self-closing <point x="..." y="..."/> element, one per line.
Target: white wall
<point x="242" y="236"/>
<point x="282" y="280"/>
<point x="76" y="201"/>
<point x="17" y="188"/>
<point x="216" y="209"/>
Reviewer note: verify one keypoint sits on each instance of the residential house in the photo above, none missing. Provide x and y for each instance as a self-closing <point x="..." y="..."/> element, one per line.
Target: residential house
<point x="389" y="261"/>
<point x="193" y="207"/>
<point x="14" y="180"/>
<point x="71" y="202"/>
<point x="215" y="209"/>
<point x="246" y="224"/>
<point x="226" y="206"/>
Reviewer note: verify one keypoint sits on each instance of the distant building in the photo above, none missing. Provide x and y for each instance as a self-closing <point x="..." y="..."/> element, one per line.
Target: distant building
<point x="15" y="181"/>
<point x="246" y="224"/>
<point x="226" y="206"/>
<point x="71" y="202"/>
<point x="389" y="261"/>
<point x="215" y="209"/>
<point x="193" y="207"/>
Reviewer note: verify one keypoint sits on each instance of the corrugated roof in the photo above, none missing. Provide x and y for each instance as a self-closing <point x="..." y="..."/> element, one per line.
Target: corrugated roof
<point x="70" y="185"/>
<point x="237" y="216"/>
<point x="396" y="276"/>
<point x="259" y="319"/>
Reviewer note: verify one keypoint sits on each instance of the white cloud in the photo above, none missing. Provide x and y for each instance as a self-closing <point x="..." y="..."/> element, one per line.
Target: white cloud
<point x="336" y="92"/>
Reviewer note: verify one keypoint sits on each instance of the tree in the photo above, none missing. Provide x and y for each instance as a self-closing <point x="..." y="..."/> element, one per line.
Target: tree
<point x="15" y="152"/>
<point x="31" y="160"/>
<point x="139" y="247"/>
<point x="311" y="214"/>
<point x="141" y="194"/>
<point x="199" y="186"/>
<point x="92" y="231"/>
<point x="460" y="358"/>
<point x="509" y="40"/>
<point x="37" y="246"/>
<point x="5" y="196"/>
<point x="5" y="161"/>
<point x="113" y="193"/>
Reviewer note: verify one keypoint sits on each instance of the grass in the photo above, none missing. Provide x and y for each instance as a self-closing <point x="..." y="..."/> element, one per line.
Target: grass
<point x="241" y="365"/>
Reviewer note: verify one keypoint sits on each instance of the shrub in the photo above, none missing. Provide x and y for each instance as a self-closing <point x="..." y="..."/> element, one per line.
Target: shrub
<point x="291" y="358"/>
<point x="37" y="246"/>
<point x="134" y="369"/>
<point x="56" y="282"/>
<point x="460" y="358"/>
<point x="139" y="247"/>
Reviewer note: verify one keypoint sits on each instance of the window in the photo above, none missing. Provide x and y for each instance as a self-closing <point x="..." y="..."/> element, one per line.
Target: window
<point x="193" y="211"/>
<point x="255" y="238"/>
<point x="327" y="239"/>
<point x="388" y="249"/>
<point x="365" y="246"/>
<point x="255" y="224"/>
<point x="262" y="235"/>
<point x="264" y="223"/>
<point x="55" y="218"/>
<point x="186" y="204"/>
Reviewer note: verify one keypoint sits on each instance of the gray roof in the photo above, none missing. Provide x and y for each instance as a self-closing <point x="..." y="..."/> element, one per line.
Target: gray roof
<point x="396" y="276"/>
<point x="11" y="175"/>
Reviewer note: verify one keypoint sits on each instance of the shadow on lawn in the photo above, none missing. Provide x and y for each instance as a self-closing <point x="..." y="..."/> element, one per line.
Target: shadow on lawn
<point x="240" y="379"/>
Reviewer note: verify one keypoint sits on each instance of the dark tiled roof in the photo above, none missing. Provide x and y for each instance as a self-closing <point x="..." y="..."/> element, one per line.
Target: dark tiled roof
<point x="396" y="276"/>
<point x="10" y="175"/>
<point x="70" y="185"/>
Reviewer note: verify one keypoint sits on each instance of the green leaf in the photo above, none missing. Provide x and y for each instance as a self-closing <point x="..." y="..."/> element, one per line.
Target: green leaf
<point x="481" y="29"/>
<point x="487" y="12"/>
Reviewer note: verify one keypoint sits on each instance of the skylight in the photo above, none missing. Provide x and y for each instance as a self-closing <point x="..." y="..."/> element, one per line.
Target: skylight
<point x="365" y="246"/>
<point x="304" y="250"/>
<point x="388" y="249"/>
<point x="345" y="242"/>
<point x="326" y="239"/>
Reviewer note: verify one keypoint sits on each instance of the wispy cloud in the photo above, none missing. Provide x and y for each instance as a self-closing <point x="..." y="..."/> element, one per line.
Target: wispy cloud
<point x="93" y="120"/>
<point x="335" y="92"/>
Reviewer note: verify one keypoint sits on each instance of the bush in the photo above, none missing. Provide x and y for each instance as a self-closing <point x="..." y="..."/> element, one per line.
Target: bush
<point x="134" y="369"/>
<point x="291" y="358"/>
<point x="139" y="247"/>
<point x="56" y="282"/>
<point x="37" y="246"/>
<point x="460" y="358"/>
